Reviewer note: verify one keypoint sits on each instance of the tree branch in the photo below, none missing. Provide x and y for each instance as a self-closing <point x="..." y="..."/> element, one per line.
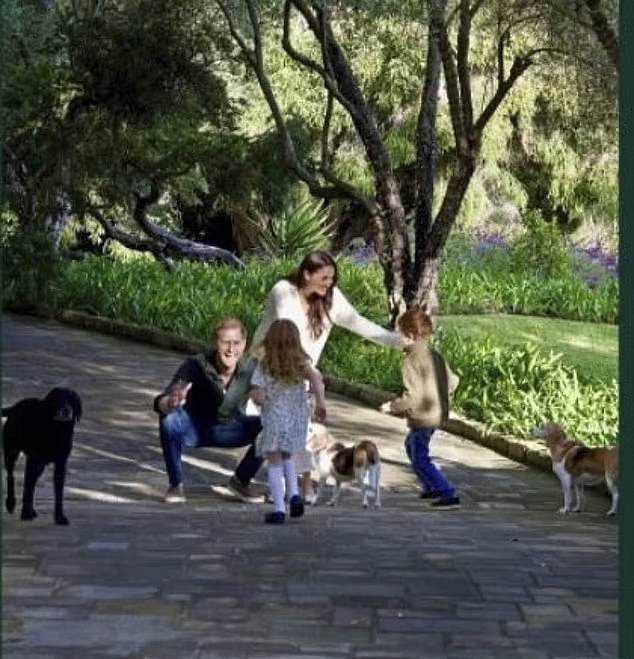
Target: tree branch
<point x="255" y="59"/>
<point x="439" y="30"/>
<point x="475" y="8"/>
<point x="308" y="63"/>
<point x="518" y="68"/>
<point x="183" y="246"/>
<point x="464" y="76"/>
<point x="131" y="242"/>
<point x="603" y="31"/>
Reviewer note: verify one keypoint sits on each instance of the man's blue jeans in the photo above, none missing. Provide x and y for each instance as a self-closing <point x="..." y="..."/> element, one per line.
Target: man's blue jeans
<point x="431" y="478"/>
<point x="178" y="428"/>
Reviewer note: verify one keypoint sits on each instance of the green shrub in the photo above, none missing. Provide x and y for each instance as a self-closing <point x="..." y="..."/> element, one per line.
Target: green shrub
<point x="515" y="390"/>
<point x="30" y="266"/>
<point x="465" y="290"/>
<point x="540" y="250"/>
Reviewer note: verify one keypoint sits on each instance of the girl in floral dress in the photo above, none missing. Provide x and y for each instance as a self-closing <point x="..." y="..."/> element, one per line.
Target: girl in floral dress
<point x="279" y="387"/>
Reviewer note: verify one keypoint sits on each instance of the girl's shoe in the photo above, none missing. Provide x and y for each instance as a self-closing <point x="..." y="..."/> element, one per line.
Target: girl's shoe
<point x="276" y="517"/>
<point x="296" y="506"/>
<point x="428" y="495"/>
<point x="310" y="499"/>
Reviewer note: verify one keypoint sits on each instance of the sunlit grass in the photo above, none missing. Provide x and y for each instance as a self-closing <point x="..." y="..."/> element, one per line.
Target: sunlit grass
<point x="591" y="348"/>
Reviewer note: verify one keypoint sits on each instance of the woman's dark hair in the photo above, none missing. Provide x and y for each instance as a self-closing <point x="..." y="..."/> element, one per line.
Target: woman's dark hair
<point x="318" y="307"/>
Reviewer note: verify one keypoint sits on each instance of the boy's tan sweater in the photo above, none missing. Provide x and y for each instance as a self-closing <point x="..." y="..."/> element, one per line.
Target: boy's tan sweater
<point x="428" y="385"/>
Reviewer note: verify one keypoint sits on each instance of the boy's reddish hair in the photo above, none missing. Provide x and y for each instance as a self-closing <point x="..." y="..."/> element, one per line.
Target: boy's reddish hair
<point x="416" y="324"/>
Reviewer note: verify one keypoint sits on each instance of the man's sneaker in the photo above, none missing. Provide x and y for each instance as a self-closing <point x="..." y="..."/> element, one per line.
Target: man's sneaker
<point x="175" y="494"/>
<point x="446" y="503"/>
<point x="244" y="492"/>
<point x="428" y="495"/>
<point x="276" y="517"/>
<point x="296" y="506"/>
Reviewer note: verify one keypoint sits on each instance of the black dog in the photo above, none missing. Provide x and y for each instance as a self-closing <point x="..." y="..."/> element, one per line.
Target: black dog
<point x="43" y="431"/>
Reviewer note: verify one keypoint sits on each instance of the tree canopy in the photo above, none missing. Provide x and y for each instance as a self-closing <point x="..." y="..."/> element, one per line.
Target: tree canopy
<point x="152" y="119"/>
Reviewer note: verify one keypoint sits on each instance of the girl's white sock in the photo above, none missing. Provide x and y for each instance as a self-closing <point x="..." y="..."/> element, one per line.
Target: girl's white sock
<point x="276" y="486"/>
<point x="290" y="475"/>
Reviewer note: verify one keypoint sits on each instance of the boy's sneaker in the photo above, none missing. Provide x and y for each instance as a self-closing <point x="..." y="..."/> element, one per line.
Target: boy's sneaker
<point x="296" y="506"/>
<point x="246" y="493"/>
<point x="175" y="494"/>
<point x="276" y="517"/>
<point x="446" y="503"/>
<point x="428" y="495"/>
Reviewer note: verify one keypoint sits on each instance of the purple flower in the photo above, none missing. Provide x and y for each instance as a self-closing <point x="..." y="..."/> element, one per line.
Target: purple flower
<point x="597" y="256"/>
<point x="486" y="241"/>
<point x="364" y="255"/>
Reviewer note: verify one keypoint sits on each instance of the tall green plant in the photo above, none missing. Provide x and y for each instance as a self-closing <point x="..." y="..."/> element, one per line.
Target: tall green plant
<point x="302" y="227"/>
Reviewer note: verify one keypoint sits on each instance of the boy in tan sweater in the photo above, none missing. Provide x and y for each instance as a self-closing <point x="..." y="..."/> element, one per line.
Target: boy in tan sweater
<point x="428" y="385"/>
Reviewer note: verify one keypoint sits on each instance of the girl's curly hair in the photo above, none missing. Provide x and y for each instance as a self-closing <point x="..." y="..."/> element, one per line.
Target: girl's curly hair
<point x="281" y="354"/>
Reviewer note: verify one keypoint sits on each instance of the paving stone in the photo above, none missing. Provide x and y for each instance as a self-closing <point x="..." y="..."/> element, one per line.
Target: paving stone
<point x="303" y="633"/>
<point x="399" y="652"/>
<point x="149" y="607"/>
<point x="352" y="617"/>
<point x="338" y="648"/>
<point x="99" y="593"/>
<point x="107" y="546"/>
<point x="430" y="641"/>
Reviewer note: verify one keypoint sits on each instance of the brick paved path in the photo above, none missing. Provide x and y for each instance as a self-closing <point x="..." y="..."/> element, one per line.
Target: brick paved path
<point x="504" y="577"/>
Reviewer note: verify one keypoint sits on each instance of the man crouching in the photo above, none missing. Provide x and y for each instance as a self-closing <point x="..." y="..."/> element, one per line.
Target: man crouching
<point x="203" y="406"/>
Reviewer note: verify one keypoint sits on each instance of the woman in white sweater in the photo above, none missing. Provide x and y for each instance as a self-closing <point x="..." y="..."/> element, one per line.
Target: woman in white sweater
<point x="311" y="299"/>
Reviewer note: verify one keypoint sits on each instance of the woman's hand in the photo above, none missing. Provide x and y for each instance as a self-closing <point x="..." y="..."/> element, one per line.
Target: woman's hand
<point x="320" y="414"/>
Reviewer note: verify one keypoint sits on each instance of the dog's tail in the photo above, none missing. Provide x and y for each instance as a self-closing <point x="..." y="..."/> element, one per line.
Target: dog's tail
<point x="365" y="453"/>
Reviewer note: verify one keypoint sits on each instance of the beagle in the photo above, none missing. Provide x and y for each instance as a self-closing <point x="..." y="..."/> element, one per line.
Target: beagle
<point x="360" y="463"/>
<point x="577" y="465"/>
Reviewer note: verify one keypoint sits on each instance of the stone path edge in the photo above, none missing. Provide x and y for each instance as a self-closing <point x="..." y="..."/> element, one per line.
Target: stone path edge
<point x="523" y="451"/>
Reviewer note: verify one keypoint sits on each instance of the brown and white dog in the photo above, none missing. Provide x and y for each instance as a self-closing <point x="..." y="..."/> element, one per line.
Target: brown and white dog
<point x="577" y="465"/>
<point x="360" y="463"/>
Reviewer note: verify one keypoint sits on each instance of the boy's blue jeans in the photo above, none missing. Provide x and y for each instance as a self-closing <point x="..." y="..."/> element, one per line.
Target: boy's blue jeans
<point x="430" y="477"/>
<point x="178" y="428"/>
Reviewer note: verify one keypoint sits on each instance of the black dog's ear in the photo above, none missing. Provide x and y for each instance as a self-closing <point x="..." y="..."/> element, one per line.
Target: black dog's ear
<point x="75" y="401"/>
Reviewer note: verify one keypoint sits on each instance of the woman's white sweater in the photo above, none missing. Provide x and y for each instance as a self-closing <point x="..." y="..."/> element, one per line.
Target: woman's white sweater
<point x="284" y="302"/>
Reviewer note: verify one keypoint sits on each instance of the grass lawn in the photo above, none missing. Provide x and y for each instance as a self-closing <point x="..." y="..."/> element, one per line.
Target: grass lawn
<point x="592" y="348"/>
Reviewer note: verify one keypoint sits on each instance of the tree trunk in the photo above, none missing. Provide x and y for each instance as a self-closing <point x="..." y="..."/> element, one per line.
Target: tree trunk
<point x="426" y="296"/>
<point x="57" y="221"/>
<point x="396" y="261"/>
<point x="427" y="153"/>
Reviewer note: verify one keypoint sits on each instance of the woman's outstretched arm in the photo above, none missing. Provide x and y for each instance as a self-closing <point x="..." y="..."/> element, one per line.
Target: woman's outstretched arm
<point x="345" y="315"/>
